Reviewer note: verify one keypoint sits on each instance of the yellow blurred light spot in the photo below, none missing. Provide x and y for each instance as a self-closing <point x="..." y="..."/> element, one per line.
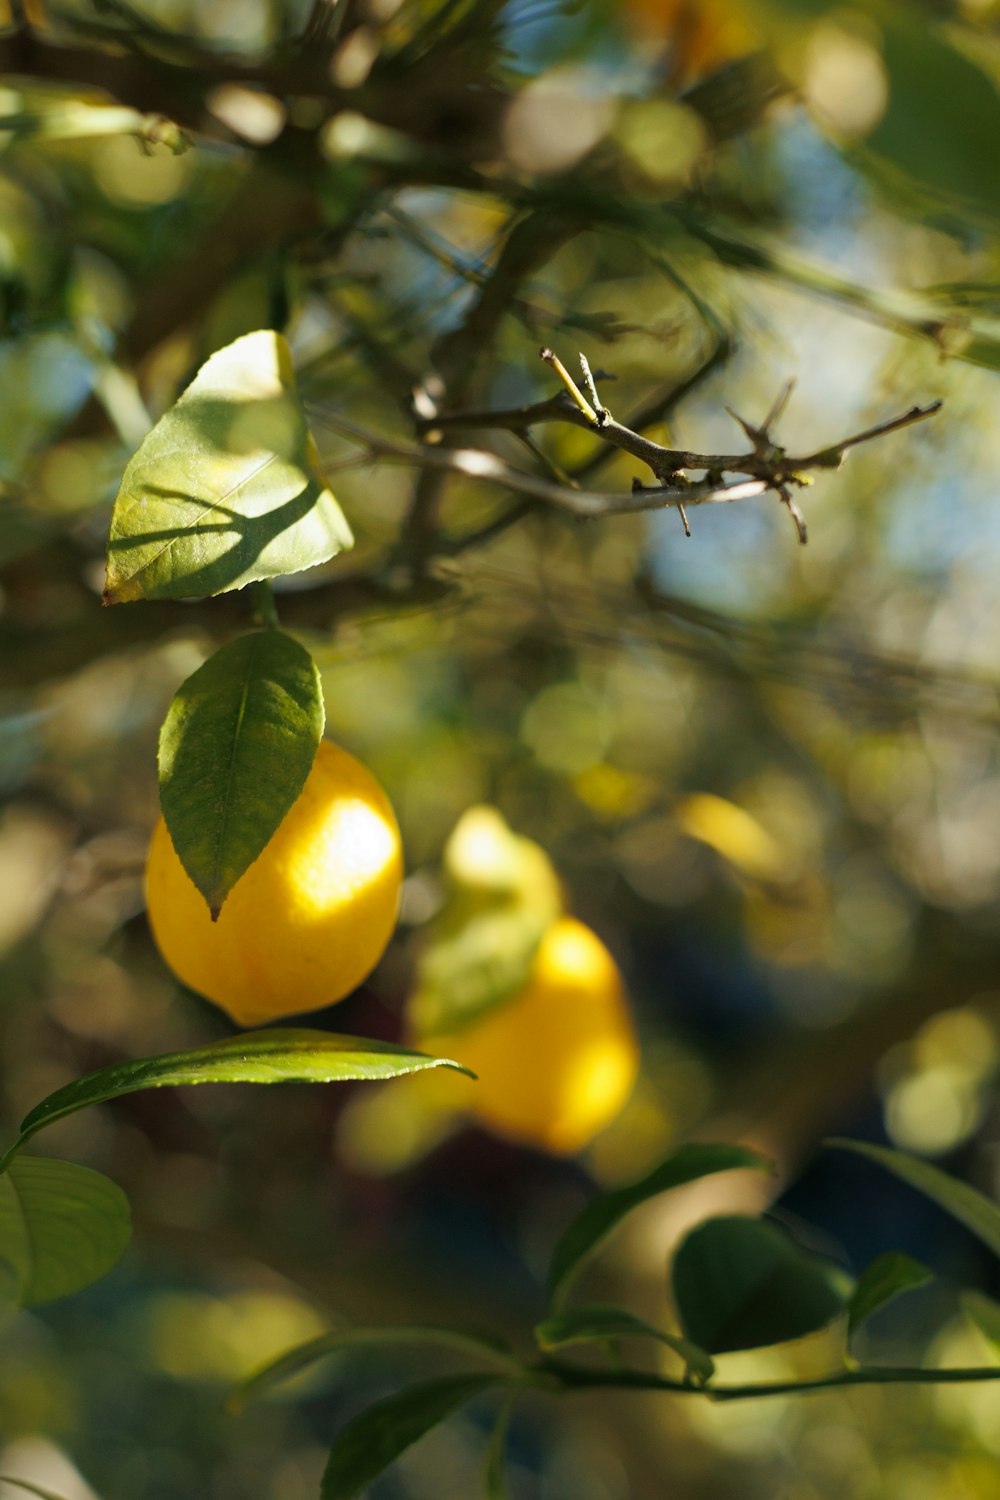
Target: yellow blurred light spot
<point x="568" y="727"/>
<point x="734" y="833"/>
<point x="845" y="81"/>
<point x="256" y="116"/>
<point x="193" y="1336"/>
<point x="664" y="140"/>
<point x="138" y="177"/>
<point x="612" y="793"/>
<point x="386" y="1130"/>
<point x="931" y="1111"/>
<point x="961" y="1038"/>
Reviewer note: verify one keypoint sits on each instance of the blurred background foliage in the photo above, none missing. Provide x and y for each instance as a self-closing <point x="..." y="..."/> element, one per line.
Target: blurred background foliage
<point x="768" y="776"/>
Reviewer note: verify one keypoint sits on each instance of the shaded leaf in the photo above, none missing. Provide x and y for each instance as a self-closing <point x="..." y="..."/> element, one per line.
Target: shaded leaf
<point x="880" y="1283"/>
<point x="374" y="1440"/>
<point x="580" y="1240"/>
<point x="494" y="1473"/>
<point x="984" y="1312"/>
<point x="236" y="747"/>
<point x="978" y="1213"/>
<point x="741" y="1283"/>
<point x="226" y="488"/>
<point x="274" y="1056"/>
<point x="62" y="1226"/>
<point x="339" y="1341"/>
<point x="585" y="1325"/>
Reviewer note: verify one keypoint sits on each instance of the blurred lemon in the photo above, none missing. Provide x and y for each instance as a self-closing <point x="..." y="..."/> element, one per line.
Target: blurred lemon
<point x="309" y="919"/>
<point x="556" y="1062"/>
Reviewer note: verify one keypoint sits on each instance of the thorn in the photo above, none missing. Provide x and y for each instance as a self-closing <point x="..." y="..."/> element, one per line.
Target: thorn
<point x="781" y="401"/>
<point x="684" y="520"/>
<point x="752" y="432"/>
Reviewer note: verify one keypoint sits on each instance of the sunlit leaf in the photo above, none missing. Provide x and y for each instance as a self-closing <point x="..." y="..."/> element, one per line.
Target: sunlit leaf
<point x="370" y="1443"/>
<point x="341" y="1340"/>
<point x="741" y="1283"/>
<point x="235" y="750"/>
<point x="62" y="1226"/>
<point x="966" y="1204"/>
<point x="226" y="488"/>
<point x="599" y="1218"/>
<point x="594" y="1324"/>
<point x="881" y="1282"/>
<point x="274" y="1056"/>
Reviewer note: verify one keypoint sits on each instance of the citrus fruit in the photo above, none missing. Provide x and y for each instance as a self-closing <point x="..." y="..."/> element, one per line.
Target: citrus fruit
<point x="557" y="1062"/>
<point x="309" y="919"/>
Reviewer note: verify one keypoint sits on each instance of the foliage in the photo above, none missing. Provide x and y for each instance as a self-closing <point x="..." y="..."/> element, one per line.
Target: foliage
<point x="255" y="253"/>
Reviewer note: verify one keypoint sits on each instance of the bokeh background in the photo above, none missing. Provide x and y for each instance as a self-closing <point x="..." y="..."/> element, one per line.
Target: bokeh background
<point x="767" y="774"/>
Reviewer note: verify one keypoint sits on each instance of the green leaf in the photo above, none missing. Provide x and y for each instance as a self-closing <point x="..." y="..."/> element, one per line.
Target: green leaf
<point x="587" y="1325"/>
<point x="236" y="747"/>
<point x="374" y="1440"/>
<point x="494" y="1472"/>
<point x="226" y="489"/>
<point x="340" y="1340"/>
<point x="579" y="1242"/>
<point x="984" y="1313"/>
<point x="62" y="1226"/>
<point x="30" y="1488"/>
<point x="479" y="951"/>
<point x="740" y="1283"/>
<point x="273" y="1056"/>
<point x="964" y="1203"/>
<point x="885" y="1279"/>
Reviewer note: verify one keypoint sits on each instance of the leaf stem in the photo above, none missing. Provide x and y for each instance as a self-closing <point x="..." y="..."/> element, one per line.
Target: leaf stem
<point x="264" y="608"/>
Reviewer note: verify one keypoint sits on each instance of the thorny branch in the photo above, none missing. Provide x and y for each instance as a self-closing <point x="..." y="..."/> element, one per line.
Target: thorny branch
<point x="768" y="465"/>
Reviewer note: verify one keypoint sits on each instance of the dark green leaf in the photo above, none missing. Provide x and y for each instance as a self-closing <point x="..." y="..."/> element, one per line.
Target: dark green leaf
<point x="984" y="1312"/>
<point x="374" y="1440"/>
<point x="236" y="747"/>
<point x="740" y="1283"/>
<point x="599" y="1218"/>
<point x="587" y="1325"/>
<point x="226" y="488"/>
<point x="294" y="1361"/>
<point x="970" y="1207"/>
<point x="273" y="1056"/>
<point x="880" y="1283"/>
<point x="494" y="1474"/>
<point x="62" y="1226"/>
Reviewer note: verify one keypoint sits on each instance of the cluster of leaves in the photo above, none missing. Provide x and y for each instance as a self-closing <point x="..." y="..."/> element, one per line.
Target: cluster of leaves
<point x="737" y="1282"/>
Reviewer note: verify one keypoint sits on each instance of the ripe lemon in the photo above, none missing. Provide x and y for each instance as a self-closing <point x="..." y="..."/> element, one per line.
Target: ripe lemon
<point x="309" y="919"/>
<point x="557" y="1062"/>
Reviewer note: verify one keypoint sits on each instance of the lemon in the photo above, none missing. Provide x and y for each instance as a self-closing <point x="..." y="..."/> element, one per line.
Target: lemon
<point x="556" y="1063"/>
<point x="309" y="919"/>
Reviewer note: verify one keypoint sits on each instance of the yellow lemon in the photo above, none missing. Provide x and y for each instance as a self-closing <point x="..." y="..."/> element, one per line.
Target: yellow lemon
<point x="309" y="919"/>
<point x="557" y="1062"/>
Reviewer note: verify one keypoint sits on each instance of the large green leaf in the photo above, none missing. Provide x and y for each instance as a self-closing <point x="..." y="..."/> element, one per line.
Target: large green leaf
<point x="597" y="1323"/>
<point x="341" y="1340"/>
<point x="579" y="1241"/>
<point x="226" y="488"/>
<point x="740" y="1283"/>
<point x="61" y="1227"/>
<point x="375" y="1439"/>
<point x="966" y="1204"/>
<point x="236" y="747"/>
<point x="282" y="1055"/>
<point x="880" y="1283"/>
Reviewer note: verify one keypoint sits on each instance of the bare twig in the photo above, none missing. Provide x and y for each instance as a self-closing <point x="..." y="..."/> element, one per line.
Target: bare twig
<point x="768" y="465"/>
